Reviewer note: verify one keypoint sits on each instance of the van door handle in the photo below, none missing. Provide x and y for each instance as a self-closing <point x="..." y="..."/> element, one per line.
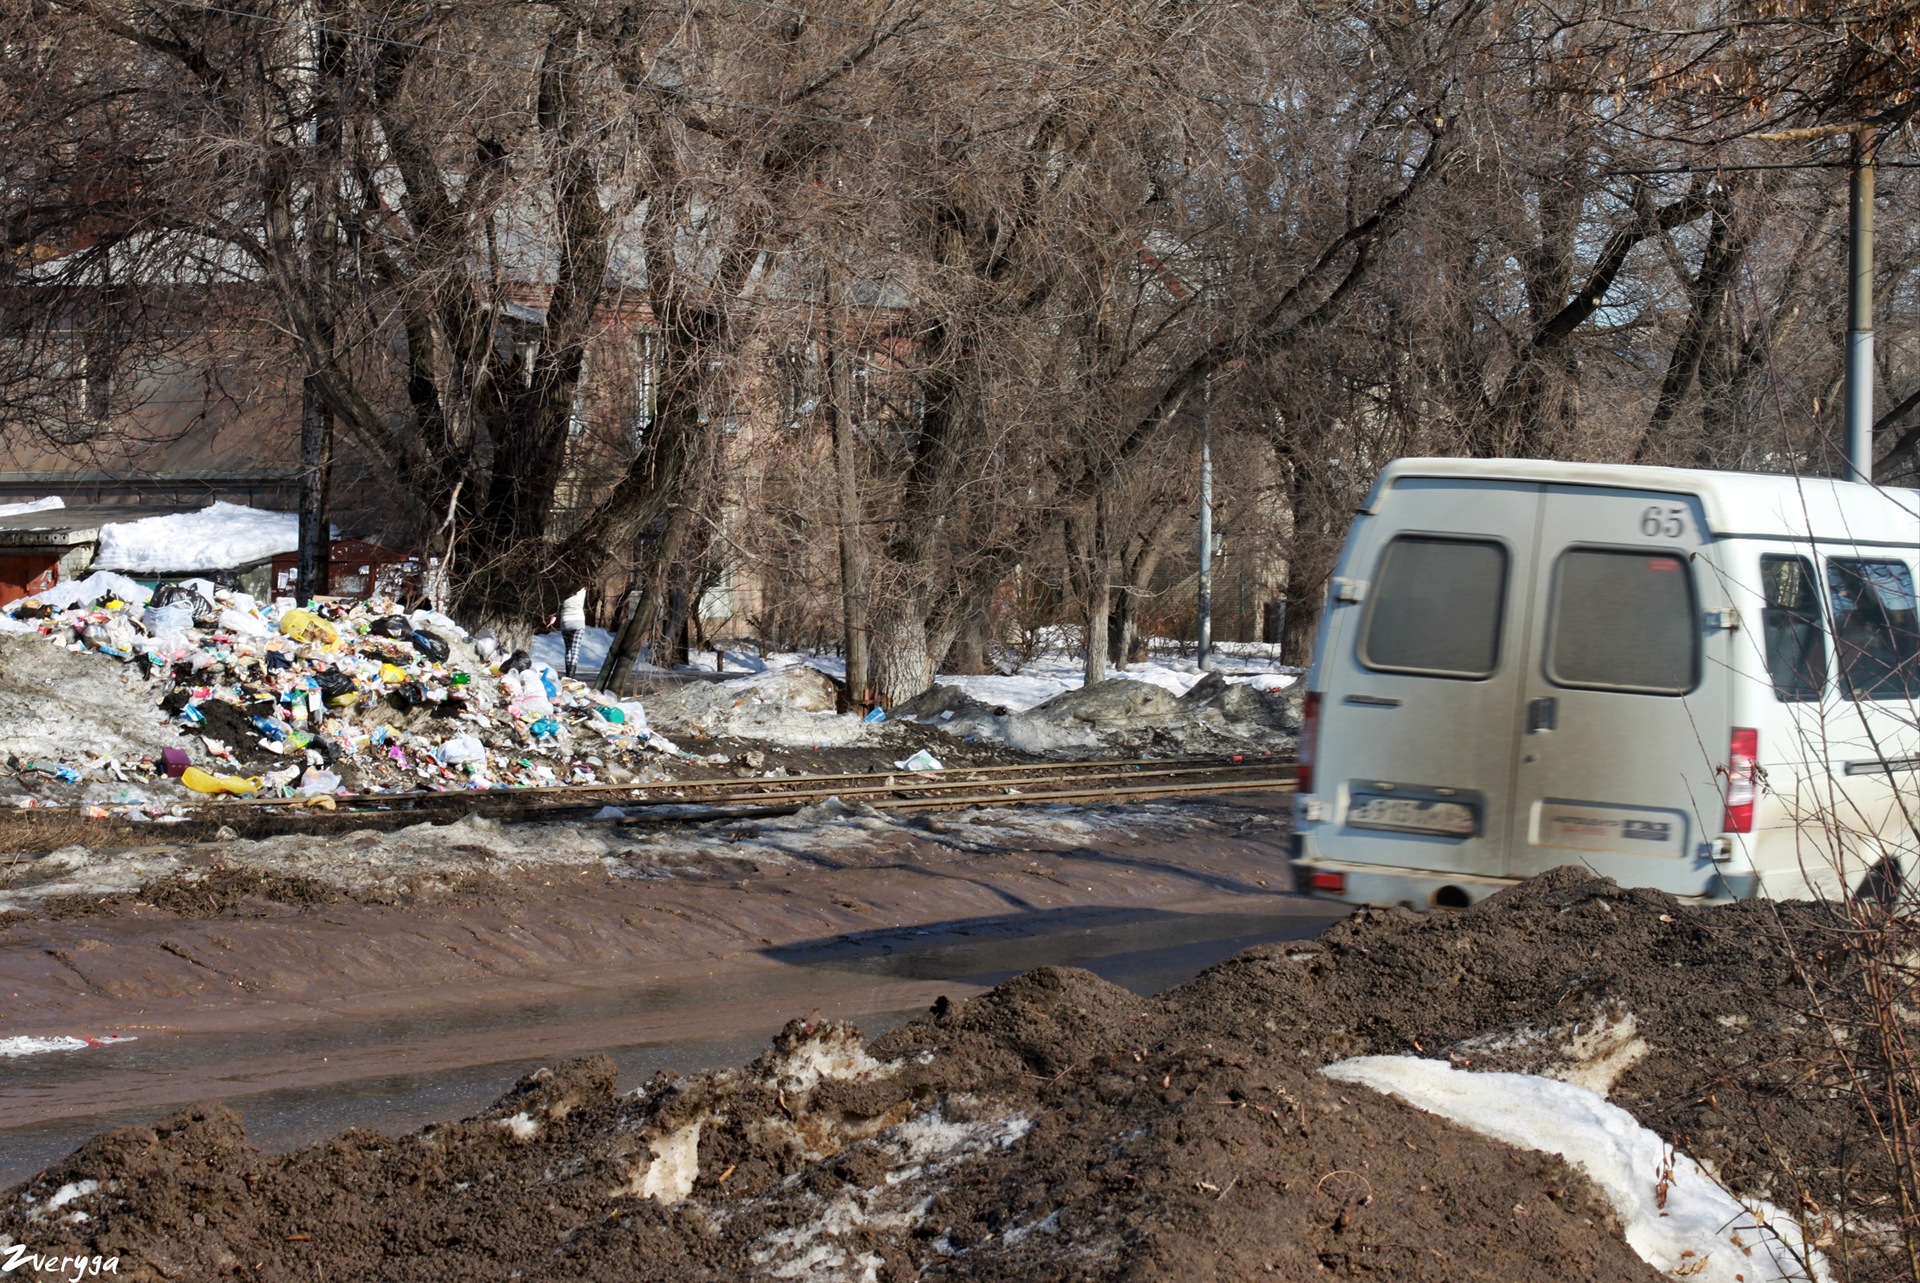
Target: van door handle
<point x="1541" y="713"/>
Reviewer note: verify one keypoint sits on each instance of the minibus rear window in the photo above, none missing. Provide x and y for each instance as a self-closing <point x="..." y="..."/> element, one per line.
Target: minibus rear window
<point x="1796" y="641"/>
<point x="1436" y="608"/>
<point x="1623" y="621"/>
<point x="1875" y="636"/>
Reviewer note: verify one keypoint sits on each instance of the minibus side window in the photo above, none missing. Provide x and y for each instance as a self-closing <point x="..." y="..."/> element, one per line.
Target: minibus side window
<point x="1875" y="635"/>
<point x="1623" y="621"/>
<point x="1796" y="642"/>
<point x="1436" y="607"/>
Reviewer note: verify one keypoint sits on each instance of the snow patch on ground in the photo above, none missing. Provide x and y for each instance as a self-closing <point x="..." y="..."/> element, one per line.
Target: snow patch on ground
<point x="675" y="1166"/>
<point x="31" y="1045"/>
<point x="840" y="1057"/>
<point x="521" y="1126"/>
<point x="1058" y="672"/>
<point x="828" y="1245"/>
<point x="218" y="537"/>
<point x="1592" y="1054"/>
<point x="1676" y="1217"/>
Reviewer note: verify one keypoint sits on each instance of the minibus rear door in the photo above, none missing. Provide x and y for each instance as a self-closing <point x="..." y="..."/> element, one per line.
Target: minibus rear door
<point x="1421" y="680"/>
<point x="1624" y="740"/>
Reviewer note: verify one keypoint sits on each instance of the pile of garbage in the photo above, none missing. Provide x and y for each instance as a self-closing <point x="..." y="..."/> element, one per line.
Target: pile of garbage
<point x="282" y="700"/>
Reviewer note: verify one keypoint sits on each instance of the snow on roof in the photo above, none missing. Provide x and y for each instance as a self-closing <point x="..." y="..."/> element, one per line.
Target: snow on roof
<point x="1748" y="504"/>
<point x="219" y="537"/>
<point x="32" y="505"/>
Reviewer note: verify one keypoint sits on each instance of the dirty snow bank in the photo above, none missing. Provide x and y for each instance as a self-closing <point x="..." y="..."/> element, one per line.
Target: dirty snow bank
<point x="368" y="863"/>
<point x="1213" y="714"/>
<point x="1675" y="1216"/>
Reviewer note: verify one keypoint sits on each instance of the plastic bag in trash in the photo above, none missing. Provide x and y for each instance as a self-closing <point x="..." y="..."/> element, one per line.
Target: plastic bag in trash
<point x="461" y="749"/>
<point x="921" y="761"/>
<point x="517" y="662"/>
<point x="240" y="621"/>
<point x="302" y="626"/>
<point x="432" y="645"/>
<point x="174" y="617"/>
<point x="316" y="782"/>
<point x="174" y="594"/>
<point x="202" y="782"/>
<point x="544" y="729"/>
<point x="336" y="688"/>
<point x="394" y="626"/>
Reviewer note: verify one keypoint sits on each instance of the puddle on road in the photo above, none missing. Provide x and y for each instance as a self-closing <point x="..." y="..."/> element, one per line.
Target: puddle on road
<point x="1145" y="952"/>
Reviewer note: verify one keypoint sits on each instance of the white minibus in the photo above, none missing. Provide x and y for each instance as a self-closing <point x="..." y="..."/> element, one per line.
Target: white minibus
<point x="1702" y="682"/>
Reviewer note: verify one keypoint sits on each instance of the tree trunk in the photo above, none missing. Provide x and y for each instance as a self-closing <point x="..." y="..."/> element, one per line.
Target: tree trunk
<point x="901" y="666"/>
<point x="1099" y="607"/>
<point x="1301" y="610"/>
<point x="673" y="643"/>
<point x="647" y="609"/>
<point x="316" y="478"/>
<point x="846" y="462"/>
<point x="968" y="654"/>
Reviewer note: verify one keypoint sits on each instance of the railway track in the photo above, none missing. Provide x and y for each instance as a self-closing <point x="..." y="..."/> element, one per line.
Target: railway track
<point x="693" y="799"/>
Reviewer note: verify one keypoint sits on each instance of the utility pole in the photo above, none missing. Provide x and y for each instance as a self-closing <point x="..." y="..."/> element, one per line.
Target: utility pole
<point x="1203" y="596"/>
<point x="1860" y="313"/>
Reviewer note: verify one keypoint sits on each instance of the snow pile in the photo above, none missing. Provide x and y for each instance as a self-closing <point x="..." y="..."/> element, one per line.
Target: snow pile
<point x="1675" y="1216"/>
<point x="1212" y="714"/>
<point x="791" y="705"/>
<point x="218" y="537"/>
<point x="1056" y="673"/>
<point x="47" y="504"/>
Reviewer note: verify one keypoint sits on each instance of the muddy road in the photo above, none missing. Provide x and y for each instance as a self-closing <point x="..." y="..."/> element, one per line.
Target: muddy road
<point x="311" y="1011"/>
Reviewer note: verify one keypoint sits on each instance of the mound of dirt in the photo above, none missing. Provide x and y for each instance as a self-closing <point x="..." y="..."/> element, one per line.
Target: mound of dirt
<point x="1058" y="1127"/>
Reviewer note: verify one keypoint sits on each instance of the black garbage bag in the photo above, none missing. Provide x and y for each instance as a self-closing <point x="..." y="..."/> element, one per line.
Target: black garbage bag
<point x="35" y="611"/>
<point x="409" y="695"/>
<point x="181" y="595"/>
<point x="335" y="686"/>
<point x="176" y="699"/>
<point x="394" y="626"/>
<point x="432" y="645"/>
<point x="518" y="662"/>
<point x="278" y="660"/>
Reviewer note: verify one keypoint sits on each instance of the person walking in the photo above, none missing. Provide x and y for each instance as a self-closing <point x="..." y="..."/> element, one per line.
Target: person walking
<point x="573" y="626"/>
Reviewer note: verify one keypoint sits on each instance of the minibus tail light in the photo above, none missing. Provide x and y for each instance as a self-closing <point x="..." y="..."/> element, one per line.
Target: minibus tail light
<point x="1328" y="880"/>
<point x="1309" y="736"/>
<point x="1743" y="756"/>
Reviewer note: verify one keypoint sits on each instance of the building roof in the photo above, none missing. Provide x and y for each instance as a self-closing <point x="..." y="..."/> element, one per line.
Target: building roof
<point x="1746" y="504"/>
<point x="68" y="527"/>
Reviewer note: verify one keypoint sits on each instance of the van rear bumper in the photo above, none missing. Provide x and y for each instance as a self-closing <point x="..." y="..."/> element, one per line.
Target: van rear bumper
<point x="1377" y="884"/>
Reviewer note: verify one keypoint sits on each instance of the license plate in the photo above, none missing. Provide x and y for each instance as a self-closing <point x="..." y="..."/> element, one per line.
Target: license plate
<point x="1399" y="814"/>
